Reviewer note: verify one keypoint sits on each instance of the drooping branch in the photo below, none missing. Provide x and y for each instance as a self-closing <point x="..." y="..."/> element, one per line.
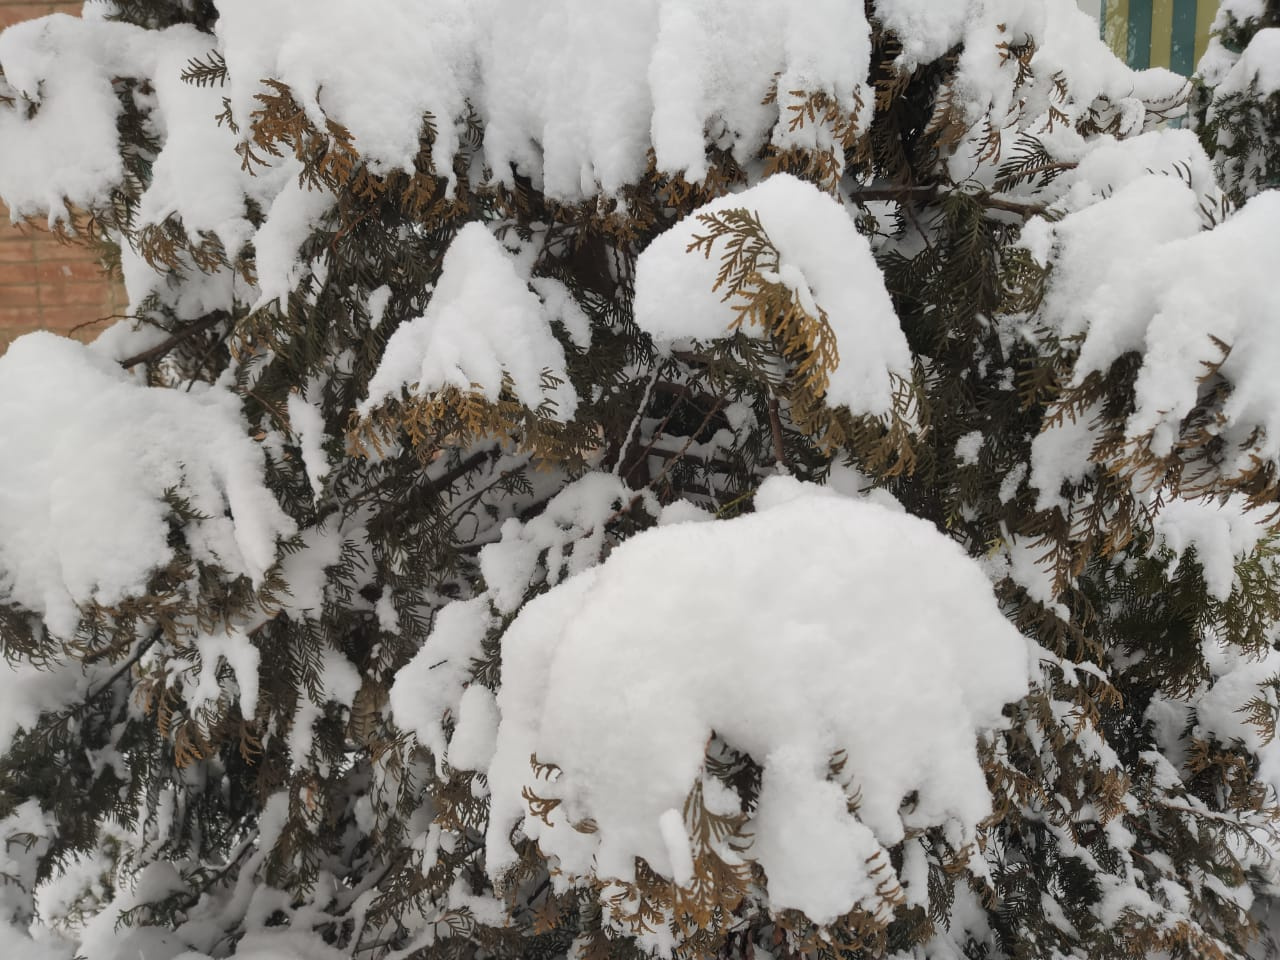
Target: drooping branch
<point x="164" y="346"/>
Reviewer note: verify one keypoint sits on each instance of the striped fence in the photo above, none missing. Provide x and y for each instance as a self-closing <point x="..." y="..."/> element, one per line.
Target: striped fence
<point x="1158" y="33"/>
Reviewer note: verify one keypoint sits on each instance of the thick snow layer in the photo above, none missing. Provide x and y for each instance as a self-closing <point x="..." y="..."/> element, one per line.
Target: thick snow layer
<point x="1220" y="533"/>
<point x="1108" y="164"/>
<point x="474" y="737"/>
<point x="431" y="685"/>
<point x="293" y="214"/>
<point x="1258" y="66"/>
<point x="660" y="75"/>
<point x="69" y="148"/>
<point x="1238" y="680"/>
<point x="197" y="174"/>
<point x="1137" y="272"/>
<point x="576" y="515"/>
<point x="482" y="323"/>
<point x="376" y="70"/>
<point x="631" y="75"/>
<point x="818" y="625"/>
<point x="927" y="29"/>
<point x="1073" y="74"/>
<point x="821" y="257"/>
<point x="86" y="458"/>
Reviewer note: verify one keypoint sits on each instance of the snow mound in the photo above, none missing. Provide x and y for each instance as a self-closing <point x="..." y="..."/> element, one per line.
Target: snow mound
<point x="629" y="76"/>
<point x="743" y="627"/>
<point x="482" y="323"/>
<point x="1137" y="272"/>
<point x="821" y="257"/>
<point x="86" y="458"/>
<point x="69" y="148"/>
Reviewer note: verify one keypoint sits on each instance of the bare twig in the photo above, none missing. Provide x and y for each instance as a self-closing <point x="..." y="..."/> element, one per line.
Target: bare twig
<point x="775" y="428"/>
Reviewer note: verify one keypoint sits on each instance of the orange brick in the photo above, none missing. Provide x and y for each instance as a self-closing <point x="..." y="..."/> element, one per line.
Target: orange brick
<point x="67" y="271"/>
<point x="75" y="295"/>
<point x="44" y="283"/>
<point x="20" y="297"/>
<point x="22" y="321"/>
<point x="18" y="272"/>
<point x="10" y="15"/>
<point x="17" y="253"/>
<point x="67" y="251"/>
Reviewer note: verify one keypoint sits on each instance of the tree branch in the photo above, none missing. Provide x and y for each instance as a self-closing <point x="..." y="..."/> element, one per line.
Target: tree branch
<point x="186" y="333"/>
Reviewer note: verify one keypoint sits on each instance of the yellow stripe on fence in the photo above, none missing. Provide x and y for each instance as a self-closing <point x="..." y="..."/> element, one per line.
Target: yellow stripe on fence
<point x="1161" y="33"/>
<point x="1158" y="33"/>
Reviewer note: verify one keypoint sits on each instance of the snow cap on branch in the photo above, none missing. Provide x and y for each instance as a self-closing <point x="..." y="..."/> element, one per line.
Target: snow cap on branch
<point x="90" y="456"/>
<point x="854" y="630"/>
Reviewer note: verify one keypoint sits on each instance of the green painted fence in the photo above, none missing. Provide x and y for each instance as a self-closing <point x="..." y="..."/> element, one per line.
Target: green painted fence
<point x="1158" y="33"/>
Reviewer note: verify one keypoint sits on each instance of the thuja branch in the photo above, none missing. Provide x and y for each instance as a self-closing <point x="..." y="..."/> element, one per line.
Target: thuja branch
<point x="162" y="348"/>
<point x="125" y="667"/>
<point x="927" y="194"/>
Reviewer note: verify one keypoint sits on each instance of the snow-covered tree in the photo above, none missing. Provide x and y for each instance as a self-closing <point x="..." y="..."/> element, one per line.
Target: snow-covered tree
<point x="1238" y="96"/>
<point x="587" y="479"/>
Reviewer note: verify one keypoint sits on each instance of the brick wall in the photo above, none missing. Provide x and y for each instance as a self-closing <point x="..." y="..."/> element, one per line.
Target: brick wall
<point x="46" y="284"/>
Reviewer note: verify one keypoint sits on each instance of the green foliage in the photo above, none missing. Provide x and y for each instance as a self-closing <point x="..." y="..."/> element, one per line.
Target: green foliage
<point x="353" y="831"/>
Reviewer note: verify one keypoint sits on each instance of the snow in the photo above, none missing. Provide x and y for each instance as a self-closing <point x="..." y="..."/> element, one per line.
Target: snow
<point x="1165" y="288"/>
<point x="86" y="458"/>
<point x="1220" y="533"/>
<point x="576" y="124"/>
<point x="431" y="685"/>
<point x="304" y="569"/>
<point x="338" y="682"/>
<point x="482" y="325"/>
<point x="968" y="447"/>
<point x="1060" y="454"/>
<point x="26" y="691"/>
<point x="277" y="945"/>
<point x="377" y="74"/>
<point x="1068" y="48"/>
<point x="197" y="174"/>
<point x="563" y="309"/>
<point x="1097" y="285"/>
<point x="1242" y="85"/>
<point x="827" y="624"/>
<point x="24" y="837"/>
<point x="293" y="215"/>
<point x="1108" y="165"/>
<point x="1029" y="567"/>
<point x="474" y="737"/>
<point x="235" y="648"/>
<point x="925" y="28"/>
<point x="69" y="149"/>
<point x="641" y="643"/>
<point x="306" y="421"/>
<point x="576" y="515"/>
<point x="821" y="257"/>
<point x="679" y="849"/>
<point x="1258" y="67"/>
<point x="376" y="304"/>
<point x="1237" y="681"/>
